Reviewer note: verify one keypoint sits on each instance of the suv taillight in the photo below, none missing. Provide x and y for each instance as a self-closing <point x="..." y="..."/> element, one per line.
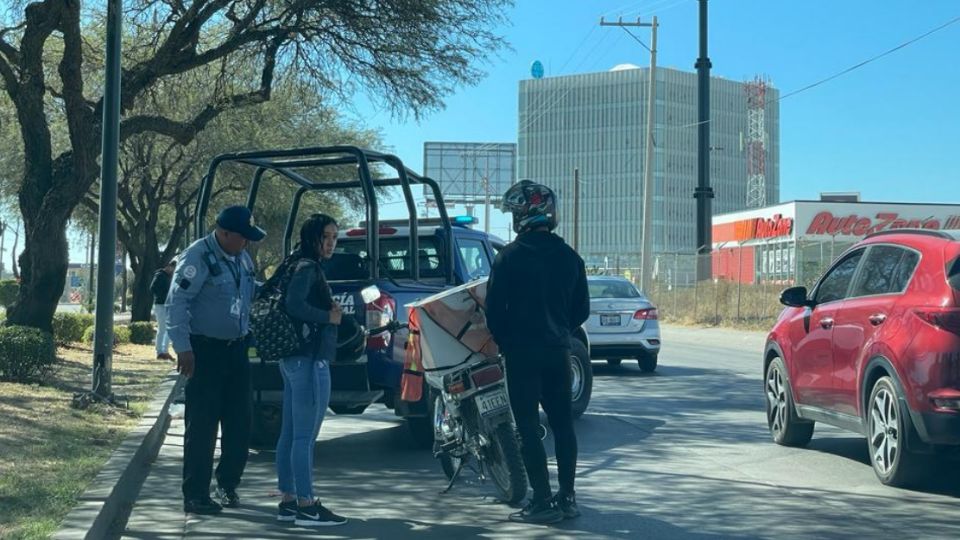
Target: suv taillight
<point x="944" y="318"/>
<point x="649" y="314"/>
<point x="379" y="313"/>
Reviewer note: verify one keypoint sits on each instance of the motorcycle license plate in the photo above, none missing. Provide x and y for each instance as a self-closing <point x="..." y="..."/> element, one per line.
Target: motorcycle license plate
<point x="492" y="402"/>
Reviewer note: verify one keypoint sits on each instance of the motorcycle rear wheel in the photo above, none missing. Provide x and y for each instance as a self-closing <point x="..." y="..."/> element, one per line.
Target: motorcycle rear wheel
<point x="502" y="458"/>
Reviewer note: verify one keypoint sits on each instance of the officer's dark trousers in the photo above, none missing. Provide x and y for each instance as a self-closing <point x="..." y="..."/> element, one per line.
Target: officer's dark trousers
<point x="542" y="377"/>
<point x="217" y="395"/>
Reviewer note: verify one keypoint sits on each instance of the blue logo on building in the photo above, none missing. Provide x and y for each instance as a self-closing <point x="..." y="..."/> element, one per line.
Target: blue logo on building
<point x="536" y="69"/>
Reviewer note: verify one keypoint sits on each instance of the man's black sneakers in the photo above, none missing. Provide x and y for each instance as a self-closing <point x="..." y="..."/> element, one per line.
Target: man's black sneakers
<point x="205" y="507"/>
<point x="287" y="511"/>
<point x="316" y="515"/>
<point x="540" y="512"/>
<point x="567" y="503"/>
<point x="228" y="497"/>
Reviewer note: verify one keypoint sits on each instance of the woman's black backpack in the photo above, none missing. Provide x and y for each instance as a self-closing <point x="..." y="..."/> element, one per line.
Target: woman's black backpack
<point x="277" y="334"/>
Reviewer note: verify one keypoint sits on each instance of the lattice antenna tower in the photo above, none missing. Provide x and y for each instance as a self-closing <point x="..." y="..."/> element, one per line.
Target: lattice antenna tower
<point x="756" y="143"/>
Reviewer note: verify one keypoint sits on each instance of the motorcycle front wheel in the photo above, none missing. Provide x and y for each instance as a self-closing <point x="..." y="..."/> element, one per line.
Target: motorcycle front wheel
<point x="448" y="462"/>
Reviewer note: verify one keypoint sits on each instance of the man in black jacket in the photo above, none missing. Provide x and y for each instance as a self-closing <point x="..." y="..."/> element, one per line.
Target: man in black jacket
<point x="160" y="287"/>
<point x="536" y="296"/>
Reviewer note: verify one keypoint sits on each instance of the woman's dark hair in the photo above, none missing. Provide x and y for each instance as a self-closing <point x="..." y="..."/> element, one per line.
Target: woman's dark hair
<point x="311" y="233"/>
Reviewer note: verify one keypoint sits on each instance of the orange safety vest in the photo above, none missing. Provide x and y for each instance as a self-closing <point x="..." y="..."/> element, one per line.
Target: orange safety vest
<point x="411" y="383"/>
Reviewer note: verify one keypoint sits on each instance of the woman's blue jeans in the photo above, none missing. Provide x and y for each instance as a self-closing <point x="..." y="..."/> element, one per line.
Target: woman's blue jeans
<point x="306" y="394"/>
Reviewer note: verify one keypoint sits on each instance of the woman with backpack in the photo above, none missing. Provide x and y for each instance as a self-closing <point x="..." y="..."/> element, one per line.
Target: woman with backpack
<point x="306" y="374"/>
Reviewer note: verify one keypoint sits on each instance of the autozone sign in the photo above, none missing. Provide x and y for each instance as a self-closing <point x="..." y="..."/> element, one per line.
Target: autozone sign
<point x="777" y="226"/>
<point x="826" y="223"/>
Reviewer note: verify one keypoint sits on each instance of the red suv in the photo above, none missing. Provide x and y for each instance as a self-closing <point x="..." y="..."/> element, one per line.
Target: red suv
<point x="874" y="349"/>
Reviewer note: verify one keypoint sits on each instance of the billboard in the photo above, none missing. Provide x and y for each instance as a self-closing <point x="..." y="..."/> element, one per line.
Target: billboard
<point x="470" y="172"/>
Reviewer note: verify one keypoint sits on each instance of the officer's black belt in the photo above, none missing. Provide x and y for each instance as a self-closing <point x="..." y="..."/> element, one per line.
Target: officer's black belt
<point x="215" y="341"/>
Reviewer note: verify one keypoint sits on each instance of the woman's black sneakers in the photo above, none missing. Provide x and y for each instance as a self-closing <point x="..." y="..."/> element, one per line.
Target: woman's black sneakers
<point x="287" y="511"/>
<point x="316" y="515"/>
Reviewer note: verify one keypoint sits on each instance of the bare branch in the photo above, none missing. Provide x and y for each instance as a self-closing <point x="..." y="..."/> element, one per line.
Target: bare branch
<point x="10" y="82"/>
<point x="185" y="132"/>
<point x="10" y="57"/>
<point x="8" y="50"/>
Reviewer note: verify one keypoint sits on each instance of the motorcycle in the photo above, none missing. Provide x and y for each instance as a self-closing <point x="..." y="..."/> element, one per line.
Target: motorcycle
<point x="473" y="423"/>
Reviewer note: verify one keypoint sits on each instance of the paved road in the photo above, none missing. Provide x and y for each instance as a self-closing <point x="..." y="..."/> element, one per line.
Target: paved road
<point x="78" y="308"/>
<point x="680" y="454"/>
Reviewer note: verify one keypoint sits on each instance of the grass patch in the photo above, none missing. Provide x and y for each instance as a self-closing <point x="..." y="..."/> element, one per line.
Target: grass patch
<point x="722" y="304"/>
<point x="50" y="452"/>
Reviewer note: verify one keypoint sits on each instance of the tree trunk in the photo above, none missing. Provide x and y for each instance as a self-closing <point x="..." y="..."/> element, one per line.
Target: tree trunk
<point x="13" y="254"/>
<point x="142" y="304"/>
<point x="145" y="259"/>
<point x="43" y="269"/>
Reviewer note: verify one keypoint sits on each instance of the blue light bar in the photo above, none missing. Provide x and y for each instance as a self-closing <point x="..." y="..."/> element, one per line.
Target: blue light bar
<point x="464" y="220"/>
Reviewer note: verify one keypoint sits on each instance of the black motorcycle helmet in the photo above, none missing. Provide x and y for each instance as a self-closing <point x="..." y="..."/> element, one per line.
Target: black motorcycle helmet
<point x="351" y="339"/>
<point x="532" y="205"/>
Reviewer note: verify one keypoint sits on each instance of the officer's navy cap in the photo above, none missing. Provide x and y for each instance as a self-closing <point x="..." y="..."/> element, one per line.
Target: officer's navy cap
<point x="239" y="219"/>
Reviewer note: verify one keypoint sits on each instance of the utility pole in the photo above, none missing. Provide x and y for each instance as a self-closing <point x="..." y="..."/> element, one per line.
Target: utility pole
<point x="486" y="205"/>
<point x="646" y="231"/>
<point x="576" y="209"/>
<point x="704" y="192"/>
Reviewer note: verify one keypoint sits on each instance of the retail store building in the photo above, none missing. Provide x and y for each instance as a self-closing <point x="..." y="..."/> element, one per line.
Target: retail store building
<point x="795" y="242"/>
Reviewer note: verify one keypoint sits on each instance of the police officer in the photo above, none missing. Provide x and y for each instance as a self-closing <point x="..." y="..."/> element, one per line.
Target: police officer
<point x="208" y="322"/>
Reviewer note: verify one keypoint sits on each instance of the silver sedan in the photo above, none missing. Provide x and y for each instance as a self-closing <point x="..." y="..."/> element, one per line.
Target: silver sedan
<point x="623" y="323"/>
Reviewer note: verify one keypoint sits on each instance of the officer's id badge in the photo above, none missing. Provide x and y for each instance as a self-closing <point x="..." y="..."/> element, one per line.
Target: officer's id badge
<point x="190" y="272"/>
<point x="235" y="308"/>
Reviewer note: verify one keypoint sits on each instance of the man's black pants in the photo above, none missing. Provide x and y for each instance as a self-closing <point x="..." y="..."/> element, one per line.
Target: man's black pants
<point x="217" y="395"/>
<point x="542" y="377"/>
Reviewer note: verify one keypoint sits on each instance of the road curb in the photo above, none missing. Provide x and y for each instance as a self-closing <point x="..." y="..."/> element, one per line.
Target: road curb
<point x="107" y="501"/>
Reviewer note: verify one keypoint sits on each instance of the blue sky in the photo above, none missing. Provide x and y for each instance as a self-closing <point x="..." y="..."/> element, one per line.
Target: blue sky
<point x="888" y="130"/>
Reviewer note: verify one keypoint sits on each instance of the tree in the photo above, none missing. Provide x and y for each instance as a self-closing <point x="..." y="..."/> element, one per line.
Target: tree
<point x="159" y="178"/>
<point x="409" y="55"/>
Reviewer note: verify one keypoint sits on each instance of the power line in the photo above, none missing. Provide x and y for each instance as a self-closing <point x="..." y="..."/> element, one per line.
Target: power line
<point x="558" y="90"/>
<point x="869" y="60"/>
<point x="844" y="71"/>
<point x="658" y="6"/>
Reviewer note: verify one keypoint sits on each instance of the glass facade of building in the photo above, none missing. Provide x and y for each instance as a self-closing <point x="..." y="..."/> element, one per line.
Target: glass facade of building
<point x="596" y="122"/>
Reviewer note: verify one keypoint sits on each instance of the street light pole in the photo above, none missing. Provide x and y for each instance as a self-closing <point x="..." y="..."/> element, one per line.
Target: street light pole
<point x="103" y="336"/>
<point x="704" y="192"/>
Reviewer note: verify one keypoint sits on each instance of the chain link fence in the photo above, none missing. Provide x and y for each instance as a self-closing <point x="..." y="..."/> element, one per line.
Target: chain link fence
<point x="740" y="285"/>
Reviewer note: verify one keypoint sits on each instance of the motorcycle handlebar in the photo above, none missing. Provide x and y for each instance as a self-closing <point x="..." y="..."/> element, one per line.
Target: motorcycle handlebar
<point x="392" y="327"/>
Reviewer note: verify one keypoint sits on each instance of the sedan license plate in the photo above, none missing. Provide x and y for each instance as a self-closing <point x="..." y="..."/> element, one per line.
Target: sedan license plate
<point x="609" y="320"/>
<point x="492" y="402"/>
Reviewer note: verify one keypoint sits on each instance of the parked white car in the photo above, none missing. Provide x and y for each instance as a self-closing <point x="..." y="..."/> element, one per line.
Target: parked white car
<point x="623" y="323"/>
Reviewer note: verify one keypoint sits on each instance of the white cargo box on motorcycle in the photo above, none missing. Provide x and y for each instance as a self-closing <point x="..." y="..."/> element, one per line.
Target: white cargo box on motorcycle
<point x="453" y="328"/>
<point x="453" y="332"/>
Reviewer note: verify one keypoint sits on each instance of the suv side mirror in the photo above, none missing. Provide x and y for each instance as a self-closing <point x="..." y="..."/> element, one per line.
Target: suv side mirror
<point x="795" y="297"/>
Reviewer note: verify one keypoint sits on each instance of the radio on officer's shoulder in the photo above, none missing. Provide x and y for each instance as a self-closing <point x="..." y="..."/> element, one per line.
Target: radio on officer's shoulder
<point x="211" y="261"/>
